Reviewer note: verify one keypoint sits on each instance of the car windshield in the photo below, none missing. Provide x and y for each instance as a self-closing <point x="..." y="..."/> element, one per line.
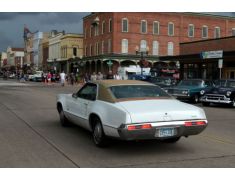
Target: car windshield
<point x="137" y="91"/>
<point x="190" y="83"/>
<point x="225" y="83"/>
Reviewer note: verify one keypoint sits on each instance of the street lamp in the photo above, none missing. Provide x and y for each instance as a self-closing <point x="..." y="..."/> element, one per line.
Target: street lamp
<point x="143" y="52"/>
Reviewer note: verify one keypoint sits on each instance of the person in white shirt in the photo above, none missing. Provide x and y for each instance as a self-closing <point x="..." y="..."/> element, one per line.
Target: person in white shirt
<point x="62" y="78"/>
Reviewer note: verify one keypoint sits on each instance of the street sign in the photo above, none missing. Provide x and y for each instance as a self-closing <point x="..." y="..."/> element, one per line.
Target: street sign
<point x="212" y="54"/>
<point x="220" y="63"/>
<point x="109" y="63"/>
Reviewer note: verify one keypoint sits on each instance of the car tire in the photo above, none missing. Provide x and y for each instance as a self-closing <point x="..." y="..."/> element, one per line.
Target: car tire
<point x="99" y="137"/>
<point x="172" y="140"/>
<point x="63" y="120"/>
<point x="233" y="103"/>
<point x="206" y="104"/>
<point x="195" y="99"/>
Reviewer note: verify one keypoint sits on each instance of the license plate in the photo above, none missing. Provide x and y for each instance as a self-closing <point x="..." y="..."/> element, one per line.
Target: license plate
<point x="165" y="132"/>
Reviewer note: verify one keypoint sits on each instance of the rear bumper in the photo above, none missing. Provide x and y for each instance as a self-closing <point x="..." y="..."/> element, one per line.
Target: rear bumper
<point x="153" y="133"/>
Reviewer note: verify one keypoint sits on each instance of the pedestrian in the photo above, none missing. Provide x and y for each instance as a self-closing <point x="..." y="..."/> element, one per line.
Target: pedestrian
<point x="93" y="77"/>
<point x="72" y="78"/>
<point x="62" y="78"/>
<point x="86" y="78"/>
<point x="110" y="75"/>
<point x="100" y="76"/>
<point x="49" y="76"/>
<point x="117" y="76"/>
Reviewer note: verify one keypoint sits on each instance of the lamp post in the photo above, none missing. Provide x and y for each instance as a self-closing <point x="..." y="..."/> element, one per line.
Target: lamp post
<point x="143" y="52"/>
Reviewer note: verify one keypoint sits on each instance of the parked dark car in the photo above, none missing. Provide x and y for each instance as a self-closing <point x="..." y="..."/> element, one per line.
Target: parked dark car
<point x="163" y="82"/>
<point x="139" y="77"/>
<point x="189" y="89"/>
<point x="222" y="93"/>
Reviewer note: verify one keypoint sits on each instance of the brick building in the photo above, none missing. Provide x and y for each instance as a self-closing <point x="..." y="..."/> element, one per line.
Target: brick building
<point x="127" y="37"/>
<point x="200" y="59"/>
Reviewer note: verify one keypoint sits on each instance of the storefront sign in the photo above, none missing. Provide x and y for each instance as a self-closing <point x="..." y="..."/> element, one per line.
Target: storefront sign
<point x="212" y="54"/>
<point x="220" y="63"/>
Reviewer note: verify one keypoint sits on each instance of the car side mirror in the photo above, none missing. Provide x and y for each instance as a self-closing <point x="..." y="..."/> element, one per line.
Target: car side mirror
<point x="74" y="95"/>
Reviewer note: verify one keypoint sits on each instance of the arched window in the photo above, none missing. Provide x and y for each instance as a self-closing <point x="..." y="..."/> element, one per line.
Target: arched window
<point x="217" y="32"/>
<point x="170" y="49"/>
<point x="155" y="48"/>
<point x="156" y="27"/>
<point x="124" y="46"/>
<point x="143" y="45"/>
<point x="124" y="25"/>
<point x="143" y="26"/>
<point x="103" y="27"/>
<point x="190" y="30"/>
<point x="204" y="32"/>
<point x="110" y="25"/>
<point x="170" y="29"/>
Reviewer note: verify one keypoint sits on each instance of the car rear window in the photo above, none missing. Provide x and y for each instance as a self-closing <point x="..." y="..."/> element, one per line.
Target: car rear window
<point x="137" y="91"/>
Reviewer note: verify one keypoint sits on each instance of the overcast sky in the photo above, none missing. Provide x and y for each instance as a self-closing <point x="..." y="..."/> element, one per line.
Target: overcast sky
<point x="12" y="24"/>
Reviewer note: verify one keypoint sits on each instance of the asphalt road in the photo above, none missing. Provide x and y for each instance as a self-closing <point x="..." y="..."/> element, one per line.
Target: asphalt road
<point x="31" y="136"/>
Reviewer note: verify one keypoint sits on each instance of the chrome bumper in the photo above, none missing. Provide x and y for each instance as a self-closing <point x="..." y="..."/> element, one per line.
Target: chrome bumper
<point x="215" y="98"/>
<point x="152" y="133"/>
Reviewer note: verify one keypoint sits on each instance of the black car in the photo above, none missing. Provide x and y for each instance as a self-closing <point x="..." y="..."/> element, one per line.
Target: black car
<point x="163" y="82"/>
<point x="222" y="93"/>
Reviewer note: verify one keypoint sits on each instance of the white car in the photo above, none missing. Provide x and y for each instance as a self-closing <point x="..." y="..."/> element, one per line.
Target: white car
<point x="129" y="110"/>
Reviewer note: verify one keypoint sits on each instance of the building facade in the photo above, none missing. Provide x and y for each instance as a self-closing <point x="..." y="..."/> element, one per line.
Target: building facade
<point x="126" y="38"/>
<point x="211" y="59"/>
<point x="71" y="52"/>
<point x="44" y="53"/>
<point x="3" y="59"/>
<point x="15" y="57"/>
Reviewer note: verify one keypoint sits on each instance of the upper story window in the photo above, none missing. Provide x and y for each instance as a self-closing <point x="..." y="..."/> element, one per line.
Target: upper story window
<point x="110" y="25"/>
<point x="96" y="30"/>
<point x="143" y="45"/>
<point x="233" y="31"/>
<point x="204" y="32"/>
<point x="170" y="49"/>
<point x="103" y="27"/>
<point x="97" y="48"/>
<point x="102" y="47"/>
<point x="155" y="48"/>
<point x="91" y="50"/>
<point x="190" y="30"/>
<point x="124" y="25"/>
<point x="170" y="29"/>
<point x="217" y="32"/>
<point x="156" y="27"/>
<point x="124" y="46"/>
<point x="85" y="32"/>
<point x="109" y="45"/>
<point x="91" y="31"/>
<point x="143" y="26"/>
<point x="75" y="51"/>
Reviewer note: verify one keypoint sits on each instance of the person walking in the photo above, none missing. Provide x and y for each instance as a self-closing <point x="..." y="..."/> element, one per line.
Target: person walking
<point x="62" y="78"/>
<point x="110" y="75"/>
<point x="93" y="77"/>
<point x="49" y="76"/>
<point x="100" y="76"/>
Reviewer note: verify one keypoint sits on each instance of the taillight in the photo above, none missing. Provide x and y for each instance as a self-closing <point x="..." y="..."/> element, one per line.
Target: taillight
<point x="195" y="123"/>
<point x="136" y="127"/>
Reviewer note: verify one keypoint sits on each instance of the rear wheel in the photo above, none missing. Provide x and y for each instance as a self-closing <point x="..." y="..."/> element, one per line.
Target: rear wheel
<point x="172" y="140"/>
<point x="99" y="137"/>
